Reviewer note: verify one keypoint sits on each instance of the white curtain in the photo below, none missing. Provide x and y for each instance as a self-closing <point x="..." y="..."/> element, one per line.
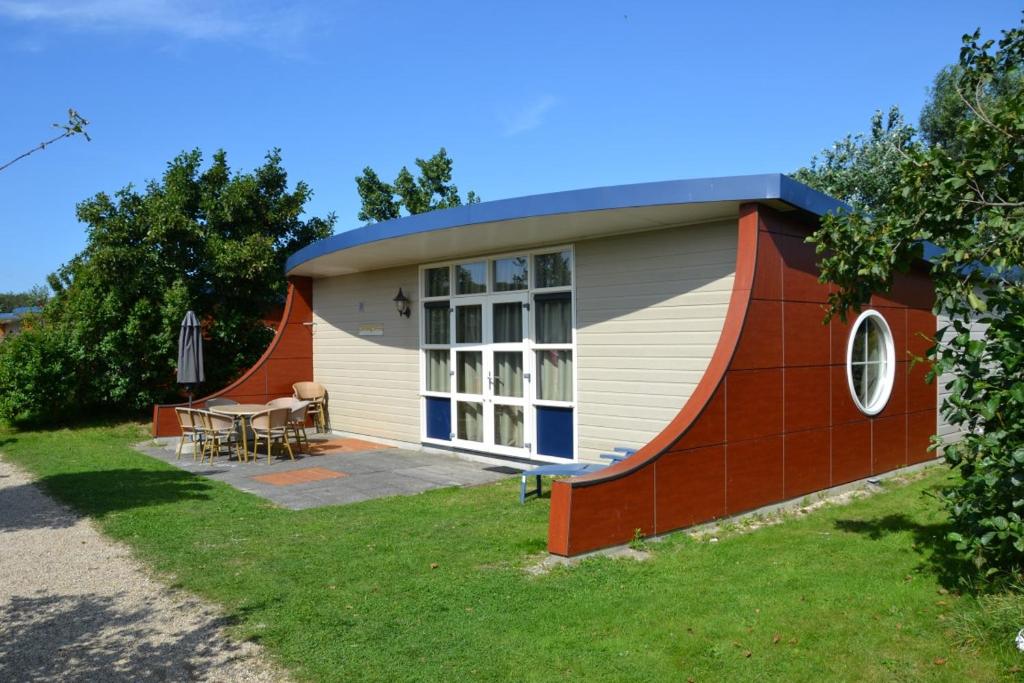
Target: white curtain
<point x="508" y="323"/>
<point x="508" y="373"/>
<point x="470" y="372"/>
<point x="471" y="421"/>
<point x="554" y="321"/>
<point x="555" y="370"/>
<point x="437" y="281"/>
<point x="438" y="376"/>
<point x="436" y="321"/>
<point x="508" y="426"/>
<point x="469" y="324"/>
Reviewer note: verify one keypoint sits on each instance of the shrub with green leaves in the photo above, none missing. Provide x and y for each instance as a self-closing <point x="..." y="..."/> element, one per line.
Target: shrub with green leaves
<point x="39" y="376"/>
<point x="963" y="191"/>
<point x="207" y="239"/>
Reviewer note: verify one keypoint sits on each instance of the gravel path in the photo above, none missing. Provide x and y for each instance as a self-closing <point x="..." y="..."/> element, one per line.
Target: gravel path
<point x="76" y="606"/>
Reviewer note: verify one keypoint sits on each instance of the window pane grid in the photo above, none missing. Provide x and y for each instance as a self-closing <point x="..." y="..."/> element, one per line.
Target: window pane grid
<point x="530" y="343"/>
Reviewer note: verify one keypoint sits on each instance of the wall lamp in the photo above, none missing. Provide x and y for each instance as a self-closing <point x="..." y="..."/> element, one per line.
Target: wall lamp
<point x="402" y="304"/>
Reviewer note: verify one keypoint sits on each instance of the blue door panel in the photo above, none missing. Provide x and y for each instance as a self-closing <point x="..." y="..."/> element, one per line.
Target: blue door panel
<point x="554" y="432"/>
<point x="439" y="418"/>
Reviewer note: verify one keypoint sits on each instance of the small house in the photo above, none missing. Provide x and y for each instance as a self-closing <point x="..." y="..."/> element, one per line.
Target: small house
<point x="682" y="319"/>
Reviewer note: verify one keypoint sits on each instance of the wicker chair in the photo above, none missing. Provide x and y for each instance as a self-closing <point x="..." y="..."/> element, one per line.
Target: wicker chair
<point x="188" y="430"/>
<point x="271" y="425"/>
<point x="220" y="431"/>
<point x="296" y="418"/>
<point x="297" y="423"/>
<point x="316" y="394"/>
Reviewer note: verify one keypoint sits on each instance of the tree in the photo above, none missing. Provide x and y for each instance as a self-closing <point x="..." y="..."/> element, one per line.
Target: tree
<point x="75" y="126"/>
<point x="946" y="107"/>
<point x="432" y="190"/>
<point x="36" y="296"/>
<point x="861" y="170"/>
<point x="209" y="240"/>
<point x="964" y="194"/>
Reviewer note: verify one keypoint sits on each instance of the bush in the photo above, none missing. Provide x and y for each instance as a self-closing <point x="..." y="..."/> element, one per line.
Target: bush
<point x="207" y="239"/>
<point x="964" y="197"/>
<point x="40" y="378"/>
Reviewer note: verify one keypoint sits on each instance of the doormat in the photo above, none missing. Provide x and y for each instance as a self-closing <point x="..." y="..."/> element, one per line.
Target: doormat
<point x="344" y="446"/>
<point x="303" y="476"/>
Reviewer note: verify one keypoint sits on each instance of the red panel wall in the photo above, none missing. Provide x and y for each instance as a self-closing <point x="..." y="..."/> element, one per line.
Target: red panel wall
<point x="287" y="360"/>
<point x="773" y="418"/>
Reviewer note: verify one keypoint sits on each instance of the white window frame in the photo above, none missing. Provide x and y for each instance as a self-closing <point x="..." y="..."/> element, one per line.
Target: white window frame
<point x="530" y="348"/>
<point x="889" y="374"/>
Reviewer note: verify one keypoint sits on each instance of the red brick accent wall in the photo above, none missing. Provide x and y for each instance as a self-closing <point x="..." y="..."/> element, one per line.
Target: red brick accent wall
<point x="287" y="360"/>
<point x="772" y="418"/>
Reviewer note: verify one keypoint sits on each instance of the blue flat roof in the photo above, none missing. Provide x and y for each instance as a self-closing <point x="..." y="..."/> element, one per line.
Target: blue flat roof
<point x="772" y="186"/>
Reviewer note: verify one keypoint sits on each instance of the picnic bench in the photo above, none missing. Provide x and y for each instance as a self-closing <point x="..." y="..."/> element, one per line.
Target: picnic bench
<point x="571" y="469"/>
<point x="566" y="470"/>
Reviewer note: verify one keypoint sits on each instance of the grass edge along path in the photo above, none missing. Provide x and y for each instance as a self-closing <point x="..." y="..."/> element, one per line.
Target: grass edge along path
<point x="433" y="586"/>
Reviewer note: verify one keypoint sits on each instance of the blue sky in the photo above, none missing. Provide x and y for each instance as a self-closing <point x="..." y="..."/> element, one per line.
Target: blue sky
<point x="527" y="97"/>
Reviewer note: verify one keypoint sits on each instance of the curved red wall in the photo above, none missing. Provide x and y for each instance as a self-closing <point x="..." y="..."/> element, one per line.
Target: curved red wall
<point x="772" y="418"/>
<point x="287" y="360"/>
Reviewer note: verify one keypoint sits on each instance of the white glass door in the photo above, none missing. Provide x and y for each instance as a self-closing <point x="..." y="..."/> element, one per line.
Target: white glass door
<point x="469" y="347"/>
<point x="491" y="374"/>
<point x="508" y="375"/>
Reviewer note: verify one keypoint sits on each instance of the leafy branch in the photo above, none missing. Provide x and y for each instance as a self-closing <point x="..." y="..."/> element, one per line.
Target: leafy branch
<point x="959" y="187"/>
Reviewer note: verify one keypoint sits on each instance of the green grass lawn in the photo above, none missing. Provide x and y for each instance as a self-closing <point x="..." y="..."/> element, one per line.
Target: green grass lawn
<point x="433" y="587"/>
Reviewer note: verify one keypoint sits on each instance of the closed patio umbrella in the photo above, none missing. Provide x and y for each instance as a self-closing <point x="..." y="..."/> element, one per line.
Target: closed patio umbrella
<point x="190" y="354"/>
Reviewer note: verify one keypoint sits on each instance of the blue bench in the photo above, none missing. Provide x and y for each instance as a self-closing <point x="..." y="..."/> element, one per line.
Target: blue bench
<point x="620" y="454"/>
<point x="567" y="470"/>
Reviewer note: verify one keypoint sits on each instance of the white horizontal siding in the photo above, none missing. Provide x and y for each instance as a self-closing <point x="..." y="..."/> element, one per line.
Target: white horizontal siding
<point x="373" y="382"/>
<point x="649" y="313"/>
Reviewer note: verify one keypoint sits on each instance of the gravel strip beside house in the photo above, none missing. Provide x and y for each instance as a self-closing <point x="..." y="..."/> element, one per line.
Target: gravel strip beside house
<point x="76" y="606"/>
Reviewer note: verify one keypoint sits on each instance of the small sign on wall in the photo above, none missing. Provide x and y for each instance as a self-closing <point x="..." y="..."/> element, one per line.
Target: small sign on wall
<point x="371" y="330"/>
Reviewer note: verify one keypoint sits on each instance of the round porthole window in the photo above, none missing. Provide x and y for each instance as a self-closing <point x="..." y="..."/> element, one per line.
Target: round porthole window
<point x="870" y="362"/>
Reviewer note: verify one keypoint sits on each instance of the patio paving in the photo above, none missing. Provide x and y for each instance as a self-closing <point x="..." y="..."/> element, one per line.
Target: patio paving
<point x="338" y="471"/>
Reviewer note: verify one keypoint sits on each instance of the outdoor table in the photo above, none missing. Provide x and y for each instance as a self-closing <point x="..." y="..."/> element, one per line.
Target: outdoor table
<point x="241" y="412"/>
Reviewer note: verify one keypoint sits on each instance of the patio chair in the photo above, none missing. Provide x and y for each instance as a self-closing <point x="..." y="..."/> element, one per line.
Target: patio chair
<point x="272" y="426"/>
<point x="188" y="431"/>
<point x="201" y="435"/>
<point x="316" y="394"/>
<point x="214" y="402"/>
<point x="297" y="423"/>
<point x="220" y="431"/>
<point x="288" y="402"/>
